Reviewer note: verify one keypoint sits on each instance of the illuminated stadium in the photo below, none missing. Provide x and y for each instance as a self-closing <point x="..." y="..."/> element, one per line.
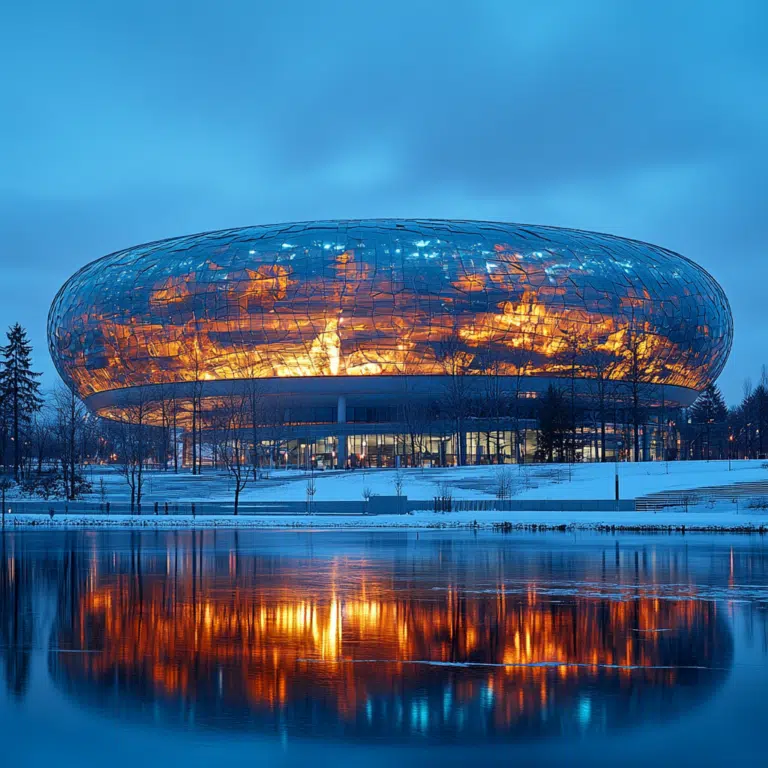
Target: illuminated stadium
<point x="351" y="332"/>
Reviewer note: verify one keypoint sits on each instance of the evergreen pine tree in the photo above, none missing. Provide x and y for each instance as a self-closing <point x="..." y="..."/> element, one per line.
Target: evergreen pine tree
<point x="759" y="411"/>
<point x="19" y="388"/>
<point x="554" y="425"/>
<point x="5" y="432"/>
<point x="709" y="409"/>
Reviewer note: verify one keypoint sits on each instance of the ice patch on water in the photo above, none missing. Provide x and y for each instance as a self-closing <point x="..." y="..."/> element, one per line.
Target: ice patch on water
<point x="501" y="665"/>
<point x="624" y="592"/>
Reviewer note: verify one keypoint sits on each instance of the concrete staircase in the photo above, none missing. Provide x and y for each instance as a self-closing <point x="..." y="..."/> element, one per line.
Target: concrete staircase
<point x="754" y="492"/>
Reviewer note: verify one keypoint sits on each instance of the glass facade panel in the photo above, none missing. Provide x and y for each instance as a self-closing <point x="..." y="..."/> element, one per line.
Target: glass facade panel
<point x="389" y="297"/>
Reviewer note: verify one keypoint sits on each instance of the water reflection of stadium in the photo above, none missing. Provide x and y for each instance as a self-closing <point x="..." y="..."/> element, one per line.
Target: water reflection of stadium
<point x="355" y="648"/>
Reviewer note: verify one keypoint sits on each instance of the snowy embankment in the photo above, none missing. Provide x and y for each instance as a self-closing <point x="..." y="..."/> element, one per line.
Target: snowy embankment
<point x="533" y="481"/>
<point x="739" y="502"/>
<point x="692" y="521"/>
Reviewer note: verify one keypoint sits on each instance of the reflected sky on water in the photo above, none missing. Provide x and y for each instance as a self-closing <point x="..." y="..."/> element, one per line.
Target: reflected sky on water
<point x="294" y="646"/>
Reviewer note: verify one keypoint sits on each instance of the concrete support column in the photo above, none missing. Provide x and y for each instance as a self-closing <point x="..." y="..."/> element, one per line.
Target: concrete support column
<point x="461" y="448"/>
<point x="341" y="439"/>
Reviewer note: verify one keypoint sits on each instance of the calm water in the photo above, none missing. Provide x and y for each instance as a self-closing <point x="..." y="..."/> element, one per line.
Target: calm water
<point x="295" y="648"/>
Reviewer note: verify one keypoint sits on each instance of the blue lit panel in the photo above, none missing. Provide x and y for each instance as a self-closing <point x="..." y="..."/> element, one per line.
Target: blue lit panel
<point x="389" y="297"/>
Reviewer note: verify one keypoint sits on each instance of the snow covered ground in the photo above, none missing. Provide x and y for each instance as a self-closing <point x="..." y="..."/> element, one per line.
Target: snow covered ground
<point x="734" y="509"/>
<point x="554" y="481"/>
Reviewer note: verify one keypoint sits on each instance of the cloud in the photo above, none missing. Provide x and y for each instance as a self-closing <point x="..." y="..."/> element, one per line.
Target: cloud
<point x="129" y="123"/>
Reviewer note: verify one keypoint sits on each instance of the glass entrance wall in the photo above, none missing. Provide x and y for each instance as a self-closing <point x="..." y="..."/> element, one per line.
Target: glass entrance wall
<point x="482" y="447"/>
<point x="494" y="447"/>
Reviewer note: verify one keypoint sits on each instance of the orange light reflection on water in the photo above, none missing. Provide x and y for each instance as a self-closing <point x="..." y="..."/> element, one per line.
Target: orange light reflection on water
<point x="274" y="644"/>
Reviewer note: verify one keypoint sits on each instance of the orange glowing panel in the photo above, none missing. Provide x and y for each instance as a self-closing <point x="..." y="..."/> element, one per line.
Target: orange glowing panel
<point x="388" y="297"/>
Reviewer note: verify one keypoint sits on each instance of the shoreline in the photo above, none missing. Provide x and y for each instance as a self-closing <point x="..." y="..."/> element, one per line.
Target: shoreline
<point x="505" y="523"/>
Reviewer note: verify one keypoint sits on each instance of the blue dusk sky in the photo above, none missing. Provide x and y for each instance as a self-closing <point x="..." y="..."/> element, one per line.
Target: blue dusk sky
<point x="124" y="121"/>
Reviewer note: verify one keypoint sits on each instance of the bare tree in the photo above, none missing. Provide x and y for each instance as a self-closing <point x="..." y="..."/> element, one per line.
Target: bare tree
<point x="494" y="400"/>
<point x="234" y="408"/>
<point x="521" y="360"/>
<point x="254" y="394"/>
<point x="636" y="357"/>
<point x="273" y="429"/>
<point x="162" y="399"/>
<point x="41" y="435"/>
<point x="132" y="441"/>
<point x="455" y="362"/>
<point x="505" y="483"/>
<point x="217" y="423"/>
<point x="202" y="415"/>
<point x="399" y="481"/>
<point x="570" y="357"/>
<point x="71" y="416"/>
<point x="415" y="416"/>
<point x="600" y="366"/>
<point x="173" y="406"/>
<point x="196" y="403"/>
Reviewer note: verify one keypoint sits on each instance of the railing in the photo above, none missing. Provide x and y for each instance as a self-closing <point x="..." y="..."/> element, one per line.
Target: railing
<point x="667" y="501"/>
<point x="530" y="505"/>
<point x="189" y="508"/>
<point x="377" y="505"/>
<point x="686" y="501"/>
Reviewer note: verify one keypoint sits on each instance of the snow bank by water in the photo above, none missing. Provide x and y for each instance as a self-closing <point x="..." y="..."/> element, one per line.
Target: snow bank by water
<point x="698" y="520"/>
<point x="534" y="482"/>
